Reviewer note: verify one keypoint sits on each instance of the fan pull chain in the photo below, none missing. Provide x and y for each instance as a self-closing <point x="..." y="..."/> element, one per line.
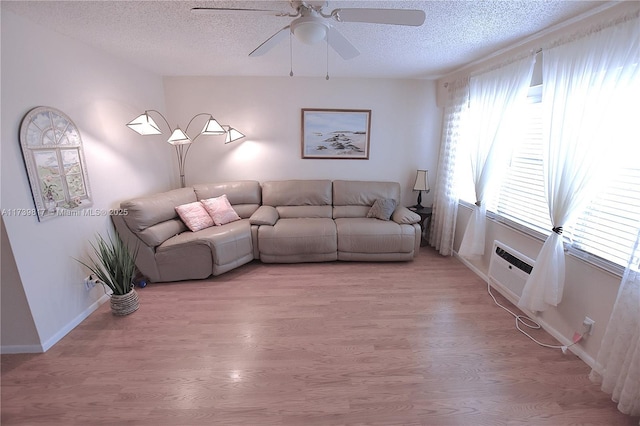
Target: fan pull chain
<point x="290" y="55"/>
<point x="327" y="77"/>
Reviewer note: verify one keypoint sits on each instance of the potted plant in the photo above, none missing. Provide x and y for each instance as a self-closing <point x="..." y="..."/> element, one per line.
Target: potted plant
<point x="114" y="266"/>
<point x="49" y="194"/>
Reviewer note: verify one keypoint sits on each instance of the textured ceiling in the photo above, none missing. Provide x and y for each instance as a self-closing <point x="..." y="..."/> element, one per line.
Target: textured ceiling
<point x="166" y="38"/>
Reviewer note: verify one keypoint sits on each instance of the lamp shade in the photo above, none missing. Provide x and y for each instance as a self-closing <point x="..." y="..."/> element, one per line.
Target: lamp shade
<point x="233" y="135"/>
<point x="178" y="137"/>
<point x="212" y="127"/>
<point x="422" y="181"/>
<point x="309" y="29"/>
<point x="144" y="125"/>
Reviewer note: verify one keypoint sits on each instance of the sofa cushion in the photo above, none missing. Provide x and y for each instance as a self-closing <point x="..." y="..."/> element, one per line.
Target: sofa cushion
<point x="220" y="210"/>
<point x="350" y="211"/>
<point x="297" y="193"/>
<point x="298" y="237"/>
<point x="144" y="212"/>
<point x="355" y="198"/>
<point x="245" y="196"/>
<point x="293" y="212"/>
<point x="160" y="232"/>
<point x="226" y="243"/>
<point x="403" y="215"/>
<point x="265" y="215"/>
<point x="367" y="235"/>
<point x="363" y="193"/>
<point x="178" y="263"/>
<point x="382" y="209"/>
<point x="299" y="198"/>
<point x="195" y="216"/>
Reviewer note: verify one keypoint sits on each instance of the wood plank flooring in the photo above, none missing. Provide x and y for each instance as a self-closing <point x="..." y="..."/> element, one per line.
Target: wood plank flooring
<point x="417" y="343"/>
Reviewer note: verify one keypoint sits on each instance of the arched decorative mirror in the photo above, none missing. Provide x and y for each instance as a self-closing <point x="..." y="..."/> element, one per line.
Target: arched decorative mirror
<point x="54" y="158"/>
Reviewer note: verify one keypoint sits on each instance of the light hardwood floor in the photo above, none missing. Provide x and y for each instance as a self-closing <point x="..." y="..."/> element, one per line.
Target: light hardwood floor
<point x="418" y="343"/>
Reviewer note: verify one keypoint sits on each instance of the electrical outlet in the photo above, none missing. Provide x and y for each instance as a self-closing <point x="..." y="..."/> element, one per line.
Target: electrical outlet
<point x="588" y="324"/>
<point x="89" y="282"/>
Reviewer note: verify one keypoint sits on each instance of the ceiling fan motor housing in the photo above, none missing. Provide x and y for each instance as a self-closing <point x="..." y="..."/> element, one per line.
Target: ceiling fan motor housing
<point x="308" y="4"/>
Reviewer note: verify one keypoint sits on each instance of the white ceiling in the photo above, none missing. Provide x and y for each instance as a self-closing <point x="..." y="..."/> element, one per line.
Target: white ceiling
<point x="166" y="38"/>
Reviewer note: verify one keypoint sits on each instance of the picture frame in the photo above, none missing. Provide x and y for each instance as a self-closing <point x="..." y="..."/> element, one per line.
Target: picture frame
<point x="54" y="159"/>
<point x="342" y="134"/>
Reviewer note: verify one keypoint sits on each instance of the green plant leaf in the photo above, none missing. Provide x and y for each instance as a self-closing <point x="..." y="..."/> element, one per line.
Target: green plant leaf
<point x="112" y="263"/>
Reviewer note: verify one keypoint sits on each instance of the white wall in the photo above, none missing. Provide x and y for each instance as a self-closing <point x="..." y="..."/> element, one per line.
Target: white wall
<point x="405" y="127"/>
<point x="100" y="94"/>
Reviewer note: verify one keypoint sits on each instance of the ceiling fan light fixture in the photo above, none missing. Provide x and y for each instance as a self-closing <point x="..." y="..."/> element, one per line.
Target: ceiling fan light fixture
<point x="309" y="30"/>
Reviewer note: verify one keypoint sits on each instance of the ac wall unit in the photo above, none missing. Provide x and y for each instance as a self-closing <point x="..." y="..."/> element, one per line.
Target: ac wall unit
<point x="509" y="270"/>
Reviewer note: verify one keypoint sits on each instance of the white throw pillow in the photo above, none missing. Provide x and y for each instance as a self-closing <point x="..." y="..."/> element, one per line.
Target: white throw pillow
<point x="194" y="216"/>
<point x="220" y="210"/>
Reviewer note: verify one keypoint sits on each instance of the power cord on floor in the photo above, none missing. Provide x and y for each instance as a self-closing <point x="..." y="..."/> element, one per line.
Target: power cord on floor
<point x="532" y="324"/>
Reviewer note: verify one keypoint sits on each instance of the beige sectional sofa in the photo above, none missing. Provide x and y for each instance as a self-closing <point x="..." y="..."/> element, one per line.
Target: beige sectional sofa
<point x="279" y="222"/>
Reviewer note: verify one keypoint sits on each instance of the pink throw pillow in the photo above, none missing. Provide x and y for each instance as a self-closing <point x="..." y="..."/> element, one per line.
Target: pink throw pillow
<point x="194" y="216"/>
<point x="220" y="210"/>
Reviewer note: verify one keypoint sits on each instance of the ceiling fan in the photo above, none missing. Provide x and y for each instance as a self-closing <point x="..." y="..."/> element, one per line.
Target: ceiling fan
<point x="312" y="24"/>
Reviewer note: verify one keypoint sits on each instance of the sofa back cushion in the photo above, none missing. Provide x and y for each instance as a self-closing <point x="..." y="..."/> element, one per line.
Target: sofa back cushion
<point x="290" y="212"/>
<point x="354" y="198"/>
<point x="154" y="218"/>
<point x="298" y="198"/>
<point x="144" y="212"/>
<point x="244" y="195"/>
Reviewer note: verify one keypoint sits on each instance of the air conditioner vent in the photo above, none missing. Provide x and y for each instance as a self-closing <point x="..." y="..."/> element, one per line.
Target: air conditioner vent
<point x="509" y="270"/>
<point x="518" y="263"/>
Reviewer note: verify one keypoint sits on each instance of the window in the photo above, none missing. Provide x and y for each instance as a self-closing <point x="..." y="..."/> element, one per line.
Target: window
<point x="521" y="197"/>
<point x="608" y="226"/>
<point x="604" y="232"/>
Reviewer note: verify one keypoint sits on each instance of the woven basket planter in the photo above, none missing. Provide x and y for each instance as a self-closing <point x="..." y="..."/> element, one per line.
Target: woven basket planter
<point x="124" y="304"/>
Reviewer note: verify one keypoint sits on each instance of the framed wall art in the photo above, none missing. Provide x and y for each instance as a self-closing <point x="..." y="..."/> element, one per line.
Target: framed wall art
<point x="336" y="133"/>
<point x="54" y="159"/>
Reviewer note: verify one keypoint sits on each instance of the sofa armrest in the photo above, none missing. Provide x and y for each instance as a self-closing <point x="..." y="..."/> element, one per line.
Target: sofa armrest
<point x="403" y="215"/>
<point x="265" y="215"/>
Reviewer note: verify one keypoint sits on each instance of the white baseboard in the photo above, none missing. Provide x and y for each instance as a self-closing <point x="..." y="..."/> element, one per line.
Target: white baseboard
<point x="43" y="347"/>
<point x="21" y="349"/>
<point x="576" y="349"/>
<point x="74" y="323"/>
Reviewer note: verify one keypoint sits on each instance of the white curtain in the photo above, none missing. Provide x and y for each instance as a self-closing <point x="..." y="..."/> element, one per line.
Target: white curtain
<point x="445" y="202"/>
<point x="618" y="361"/>
<point x="495" y="100"/>
<point x="581" y="79"/>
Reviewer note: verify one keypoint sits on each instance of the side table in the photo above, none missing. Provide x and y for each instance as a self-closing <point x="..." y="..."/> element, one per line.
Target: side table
<point x="425" y="216"/>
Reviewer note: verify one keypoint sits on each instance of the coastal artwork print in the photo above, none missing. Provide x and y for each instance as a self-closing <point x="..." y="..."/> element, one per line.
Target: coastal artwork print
<point x="336" y="133"/>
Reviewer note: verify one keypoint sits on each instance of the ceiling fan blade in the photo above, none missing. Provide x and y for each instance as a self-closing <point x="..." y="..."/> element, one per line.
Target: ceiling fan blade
<point x="341" y="45"/>
<point x="228" y="11"/>
<point x="381" y="16"/>
<point x="271" y="42"/>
